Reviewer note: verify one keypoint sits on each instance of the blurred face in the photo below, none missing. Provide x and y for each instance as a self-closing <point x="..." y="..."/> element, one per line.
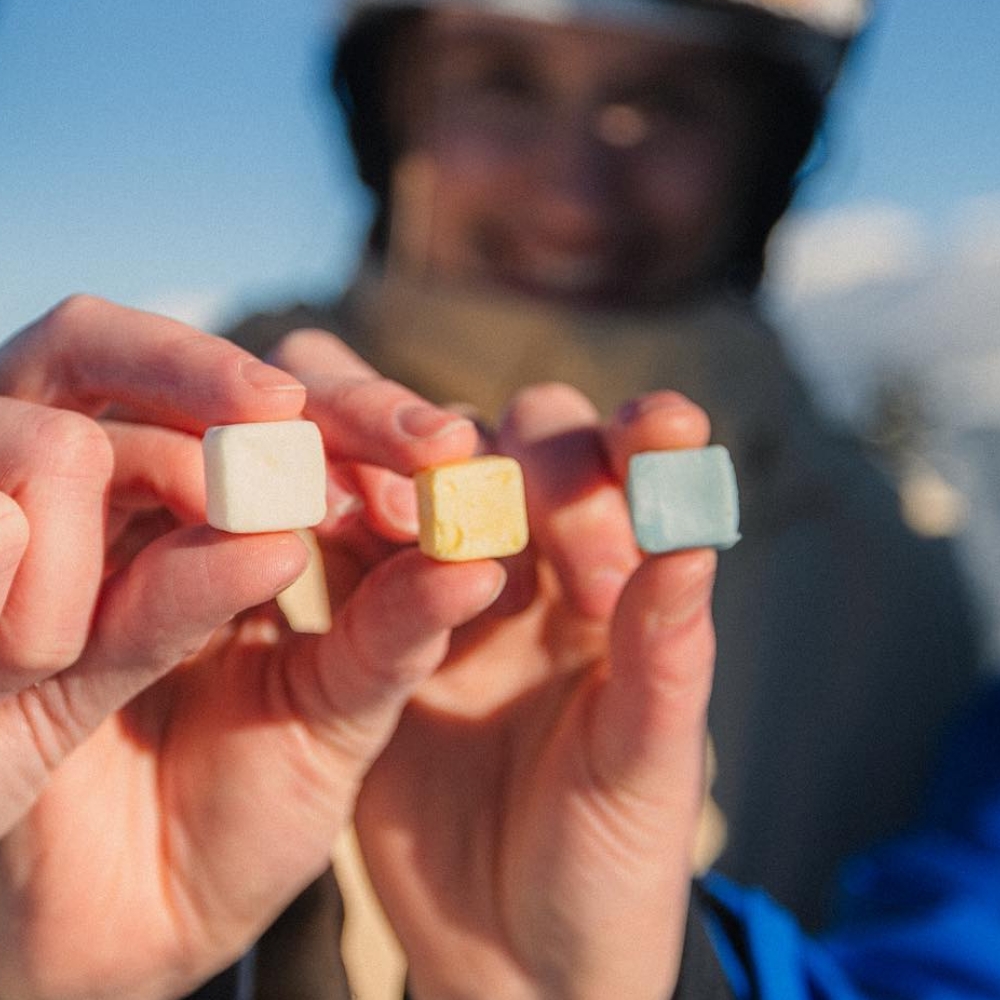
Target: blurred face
<point x="587" y="166"/>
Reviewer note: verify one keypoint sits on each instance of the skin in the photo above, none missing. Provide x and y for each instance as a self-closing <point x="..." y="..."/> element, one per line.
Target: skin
<point x="533" y="813"/>
<point x="142" y="723"/>
<point x="521" y="750"/>
<point x="529" y="827"/>
<point x="582" y="165"/>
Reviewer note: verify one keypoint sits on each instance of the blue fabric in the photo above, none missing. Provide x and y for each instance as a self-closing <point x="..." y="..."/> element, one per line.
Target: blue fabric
<point x="769" y="957"/>
<point x="919" y="917"/>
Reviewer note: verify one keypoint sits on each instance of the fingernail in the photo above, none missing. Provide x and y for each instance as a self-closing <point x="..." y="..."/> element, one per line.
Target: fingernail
<point x="608" y="582"/>
<point x="398" y="501"/>
<point x="421" y="421"/>
<point x="493" y="595"/>
<point x="255" y="372"/>
<point x="635" y="409"/>
<point x="693" y="592"/>
<point x="340" y="505"/>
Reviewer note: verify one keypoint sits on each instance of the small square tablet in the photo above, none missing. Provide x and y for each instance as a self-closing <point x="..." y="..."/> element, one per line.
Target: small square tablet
<point x="472" y="510"/>
<point x="267" y="476"/>
<point x="683" y="499"/>
<point x="306" y="602"/>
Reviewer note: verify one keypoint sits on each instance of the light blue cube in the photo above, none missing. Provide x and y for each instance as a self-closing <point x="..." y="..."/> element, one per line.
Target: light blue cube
<point x="683" y="499"/>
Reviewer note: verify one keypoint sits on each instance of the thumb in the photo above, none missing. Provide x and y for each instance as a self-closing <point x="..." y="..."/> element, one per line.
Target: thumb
<point x="650" y="715"/>
<point x="165" y="605"/>
<point x="390" y="635"/>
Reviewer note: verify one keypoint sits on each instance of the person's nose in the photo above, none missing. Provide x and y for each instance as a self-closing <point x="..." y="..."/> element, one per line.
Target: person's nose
<point x="580" y="172"/>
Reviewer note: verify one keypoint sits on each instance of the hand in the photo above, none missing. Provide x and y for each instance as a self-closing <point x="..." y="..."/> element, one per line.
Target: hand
<point x="171" y="774"/>
<point x="56" y="463"/>
<point x="530" y="827"/>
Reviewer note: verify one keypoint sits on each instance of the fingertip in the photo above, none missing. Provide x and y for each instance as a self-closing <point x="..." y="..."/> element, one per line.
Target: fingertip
<point x="455" y="592"/>
<point x="389" y="502"/>
<point x="678" y="583"/>
<point x="666" y="408"/>
<point x="436" y="436"/>
<point x="493" y="583"/>
<point x="234" y="571"/>
<point x="279" y="386"/>
<point x="657" y="421"/>
<point x="545" y="409"/>
<point x="395" y="629"/>
<point x="282" y="557"/>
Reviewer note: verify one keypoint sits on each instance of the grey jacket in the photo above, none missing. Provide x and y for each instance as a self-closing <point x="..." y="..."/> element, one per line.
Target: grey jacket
<point x="844" y="640"/>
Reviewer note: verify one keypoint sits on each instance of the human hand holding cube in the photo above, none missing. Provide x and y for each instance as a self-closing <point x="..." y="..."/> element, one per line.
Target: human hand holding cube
<point x="272" y="477"/>
<point x="264" y="476"/>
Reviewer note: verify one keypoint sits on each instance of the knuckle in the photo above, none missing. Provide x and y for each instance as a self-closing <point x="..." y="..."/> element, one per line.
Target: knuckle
<point x="70" y="445"/>
<point x="78" y="309"/>
<point x="24" y="663"/>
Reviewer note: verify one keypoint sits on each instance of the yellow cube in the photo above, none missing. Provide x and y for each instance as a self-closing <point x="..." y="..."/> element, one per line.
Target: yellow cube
<point x="472" y="510"/>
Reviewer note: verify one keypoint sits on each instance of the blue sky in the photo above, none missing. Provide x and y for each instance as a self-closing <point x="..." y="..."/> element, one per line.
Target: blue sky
<point x="179" y="155"/>
<point x="922" y="101"/>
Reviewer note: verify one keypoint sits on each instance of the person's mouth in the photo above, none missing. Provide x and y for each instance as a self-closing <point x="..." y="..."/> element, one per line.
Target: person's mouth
<point x="567" y="274"/>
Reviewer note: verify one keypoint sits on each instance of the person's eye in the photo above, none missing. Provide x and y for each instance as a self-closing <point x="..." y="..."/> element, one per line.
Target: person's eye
<point x="482" y="81"/>
<point x="504" y="83"/>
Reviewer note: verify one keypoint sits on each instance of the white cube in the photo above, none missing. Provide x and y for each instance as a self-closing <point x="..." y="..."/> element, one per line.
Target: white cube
<point x="264" y="477"/>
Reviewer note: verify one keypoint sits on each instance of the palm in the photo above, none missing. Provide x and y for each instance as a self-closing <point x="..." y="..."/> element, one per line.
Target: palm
<point x="165" y="803"/>
<point x="203" y="806"/>
<point x="530" y="827"/>
<point x="489" y="803"/>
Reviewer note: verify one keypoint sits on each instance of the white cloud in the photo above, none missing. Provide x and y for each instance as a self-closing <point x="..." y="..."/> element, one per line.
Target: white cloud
<point x="205" y="310"/>
<point x="977" y="231"/>
<point x="873" y="291"/>
<point x="816" y="254"/>
<point x="875" y="294"/>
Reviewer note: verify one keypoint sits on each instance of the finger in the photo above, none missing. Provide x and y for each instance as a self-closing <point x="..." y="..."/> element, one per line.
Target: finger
<point x="14" y="534"/>
<point x="307" y="725"/>
<point x="654" y="422"/>
<point x="367" y="418"/>
<point x="157" y="467"/>
<point x="648" y="720"/>
<point x="389" y="501"/>
<point x="389" y="637"/>
<point x="87" y="353"/>
<point x="578" y="516"/>
<point x="642" y="738"/>
<point x="56" y="466"/>
<point x="158" y="483"/>
<point x="161" y="468"/>
<point x="160" y="610"/>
